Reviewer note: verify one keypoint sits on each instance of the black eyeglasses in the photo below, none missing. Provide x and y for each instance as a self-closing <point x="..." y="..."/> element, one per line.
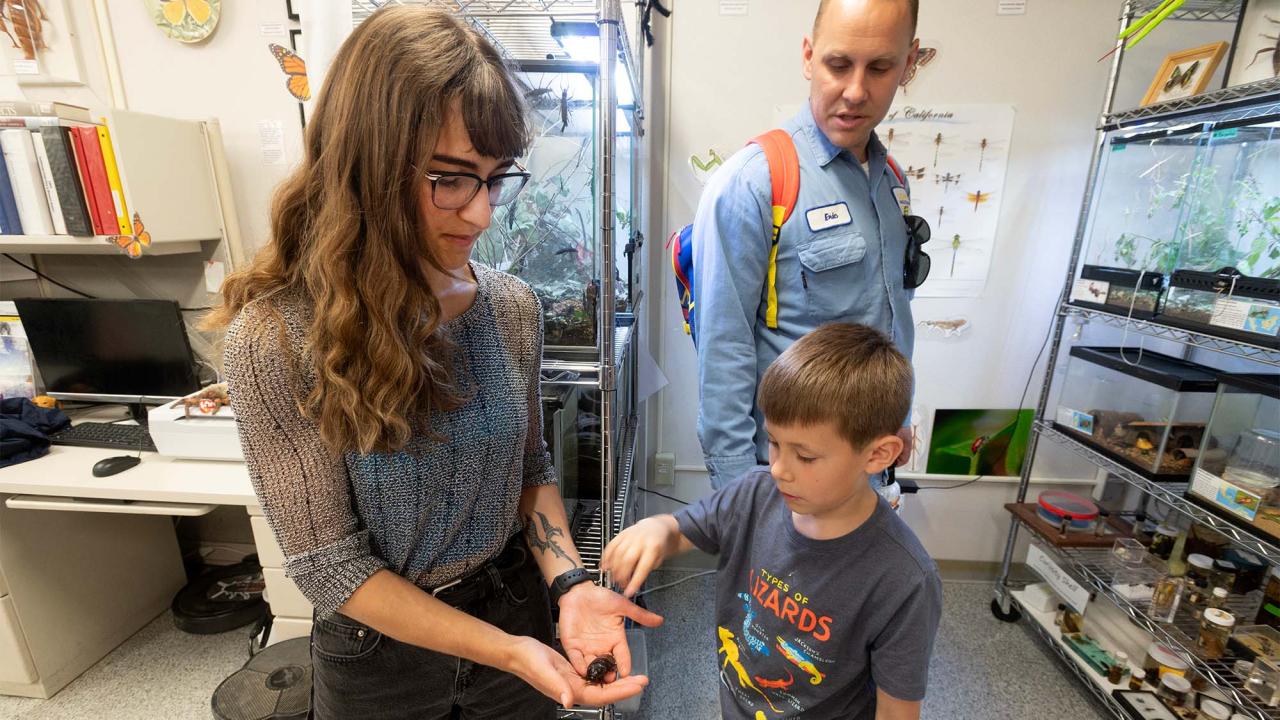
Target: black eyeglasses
<point x="915" y="267"/>
<point x="452" y="190"/>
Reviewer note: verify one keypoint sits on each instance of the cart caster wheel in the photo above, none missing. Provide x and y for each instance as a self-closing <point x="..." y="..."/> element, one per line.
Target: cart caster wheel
<point x="1013" y="615"/>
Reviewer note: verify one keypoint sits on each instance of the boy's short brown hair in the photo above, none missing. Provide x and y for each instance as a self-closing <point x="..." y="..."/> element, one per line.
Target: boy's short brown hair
<point x="848" y="375"/>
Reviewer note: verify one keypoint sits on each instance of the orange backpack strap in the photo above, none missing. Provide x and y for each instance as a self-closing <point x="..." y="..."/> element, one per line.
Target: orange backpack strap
<point x="897" y="171"/>
<point x="784" y="176"/>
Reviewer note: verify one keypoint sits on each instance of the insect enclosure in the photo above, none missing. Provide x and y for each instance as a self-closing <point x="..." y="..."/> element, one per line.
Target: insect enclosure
<point x="550" y="237"/>
<point x="1200" y="195"/>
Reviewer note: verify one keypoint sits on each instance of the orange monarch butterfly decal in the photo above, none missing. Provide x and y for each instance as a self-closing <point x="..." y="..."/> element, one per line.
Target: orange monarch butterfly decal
<point x="132" y="245"/>
<point x="296" y="70"/>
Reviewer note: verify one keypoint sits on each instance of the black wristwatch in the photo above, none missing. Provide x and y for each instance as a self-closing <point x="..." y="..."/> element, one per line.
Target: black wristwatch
<point x="566" y="580"/>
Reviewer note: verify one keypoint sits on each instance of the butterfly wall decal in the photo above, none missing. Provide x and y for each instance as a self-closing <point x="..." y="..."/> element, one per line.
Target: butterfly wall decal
<point x="923" y="57"/>
<point x="295" y="70"/>
<point x="132" y="245"/>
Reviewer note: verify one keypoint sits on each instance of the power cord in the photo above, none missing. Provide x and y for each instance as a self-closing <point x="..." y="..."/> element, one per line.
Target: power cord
<point x="646" y="591"/>
<point x="655" y="492"/>
<point x="42" y="276"/>
<point x="81" y="293"/>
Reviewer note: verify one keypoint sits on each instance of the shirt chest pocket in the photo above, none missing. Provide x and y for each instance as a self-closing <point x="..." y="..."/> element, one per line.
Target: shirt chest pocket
<point x="833" y="273"/>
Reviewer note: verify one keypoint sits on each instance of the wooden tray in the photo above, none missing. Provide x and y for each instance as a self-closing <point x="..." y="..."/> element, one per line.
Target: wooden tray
<point x="1029" y="515"/>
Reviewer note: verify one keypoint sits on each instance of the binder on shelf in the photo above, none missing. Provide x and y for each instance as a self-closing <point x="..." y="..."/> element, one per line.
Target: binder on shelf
<point x="46" y="182"/>
<point x="105" y="213"/>
<point x="66" y="179"/>
<point x="24" y="176"/>
<point x="10" y="224"/>
<point x="113" y="181"/>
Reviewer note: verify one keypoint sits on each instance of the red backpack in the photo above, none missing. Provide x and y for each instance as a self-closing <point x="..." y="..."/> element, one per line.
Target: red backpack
<point x="784" y="176"/>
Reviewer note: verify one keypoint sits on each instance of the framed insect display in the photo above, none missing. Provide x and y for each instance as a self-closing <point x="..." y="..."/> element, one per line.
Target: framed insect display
<point x="1185" y="73"/>
<point x="1255" y="52"/>
<point x="40" y="47"/>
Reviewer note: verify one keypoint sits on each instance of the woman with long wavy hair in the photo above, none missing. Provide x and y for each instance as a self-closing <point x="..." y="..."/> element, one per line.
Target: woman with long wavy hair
<point x="386" y="390"/>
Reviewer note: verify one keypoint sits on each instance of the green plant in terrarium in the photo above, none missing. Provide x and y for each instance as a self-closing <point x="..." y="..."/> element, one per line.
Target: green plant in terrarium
<point x="546" y="237"/>
<point x="1215" y="217"/>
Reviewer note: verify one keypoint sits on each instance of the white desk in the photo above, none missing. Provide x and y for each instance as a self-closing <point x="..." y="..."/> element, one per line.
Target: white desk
<point x="67" y="472"/>
<point x="74" y="585"/>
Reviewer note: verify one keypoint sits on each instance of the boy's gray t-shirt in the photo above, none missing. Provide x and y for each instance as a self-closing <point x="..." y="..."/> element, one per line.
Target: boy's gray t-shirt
<point x="810" y="628"/>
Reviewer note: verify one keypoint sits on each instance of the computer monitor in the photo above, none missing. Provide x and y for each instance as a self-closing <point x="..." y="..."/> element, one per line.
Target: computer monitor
<point x="113" y="351"/>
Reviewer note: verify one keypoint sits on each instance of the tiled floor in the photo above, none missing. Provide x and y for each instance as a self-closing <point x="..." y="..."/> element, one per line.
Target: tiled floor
<point x="982" y="669"/>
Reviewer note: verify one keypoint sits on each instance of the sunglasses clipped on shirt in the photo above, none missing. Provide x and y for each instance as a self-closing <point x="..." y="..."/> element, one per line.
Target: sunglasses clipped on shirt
<point x="916" y="265"/>
<point x="453" y="190"/>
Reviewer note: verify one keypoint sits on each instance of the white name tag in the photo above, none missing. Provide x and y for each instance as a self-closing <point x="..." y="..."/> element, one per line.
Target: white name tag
<point x="828" y="217"/>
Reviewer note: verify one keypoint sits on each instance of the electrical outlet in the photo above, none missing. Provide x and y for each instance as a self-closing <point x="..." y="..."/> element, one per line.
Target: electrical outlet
<point x="664" y="469"/>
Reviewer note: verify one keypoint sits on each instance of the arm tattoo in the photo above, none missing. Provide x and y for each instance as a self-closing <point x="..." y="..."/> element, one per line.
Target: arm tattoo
<point x="549" y="534"/>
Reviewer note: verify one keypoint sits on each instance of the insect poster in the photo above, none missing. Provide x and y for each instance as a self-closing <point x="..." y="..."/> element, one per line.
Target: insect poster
<point x="979" y="442"/>
<point x="955" y="158"/>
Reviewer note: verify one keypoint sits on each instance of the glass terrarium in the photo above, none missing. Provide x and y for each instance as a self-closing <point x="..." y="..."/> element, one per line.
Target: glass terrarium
<point x="1145" y="410"/>
<point x="1118" y="290"/>
<point x="1138" y="201"/>
<point x="1232" y="207"/>
<point x="550" y="236"/>
<point x="1238" y="469"/>
<point x="1225" y="304"/>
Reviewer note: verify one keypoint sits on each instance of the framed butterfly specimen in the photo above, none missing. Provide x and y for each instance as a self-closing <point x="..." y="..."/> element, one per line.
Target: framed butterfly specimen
<point x="923" y="57"/>
<point x="133" y="245"/>
<point x="1185" y="73"/>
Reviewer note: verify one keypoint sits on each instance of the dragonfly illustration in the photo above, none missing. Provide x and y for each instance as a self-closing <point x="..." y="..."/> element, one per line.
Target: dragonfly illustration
<point x="977" y="198"/>
<point x="946" y="180"/>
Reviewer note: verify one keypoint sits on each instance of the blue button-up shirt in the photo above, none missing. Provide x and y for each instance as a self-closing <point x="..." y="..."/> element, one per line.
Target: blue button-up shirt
<point x="840" y="259"/>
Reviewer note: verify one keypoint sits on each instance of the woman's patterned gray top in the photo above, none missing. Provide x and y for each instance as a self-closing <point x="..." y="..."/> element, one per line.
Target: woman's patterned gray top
<point x="340" y="519"/>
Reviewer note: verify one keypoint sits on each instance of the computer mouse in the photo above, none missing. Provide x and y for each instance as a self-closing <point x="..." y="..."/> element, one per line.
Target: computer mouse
<point x="113" y="465"/>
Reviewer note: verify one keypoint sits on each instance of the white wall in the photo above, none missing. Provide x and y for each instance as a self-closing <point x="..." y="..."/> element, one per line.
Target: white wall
<point x="725" y="74"/>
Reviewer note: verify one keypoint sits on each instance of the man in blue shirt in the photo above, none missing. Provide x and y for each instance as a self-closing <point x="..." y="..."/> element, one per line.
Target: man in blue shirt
<point x="841" y="253"/>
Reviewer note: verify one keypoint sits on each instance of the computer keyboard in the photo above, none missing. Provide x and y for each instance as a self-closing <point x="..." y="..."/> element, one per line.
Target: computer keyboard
<point x="106" y="435"/>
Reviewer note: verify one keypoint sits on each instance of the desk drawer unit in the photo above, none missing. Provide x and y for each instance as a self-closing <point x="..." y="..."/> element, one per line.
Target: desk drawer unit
<point x="15" y="659"/>
<point x="284" y="597"/>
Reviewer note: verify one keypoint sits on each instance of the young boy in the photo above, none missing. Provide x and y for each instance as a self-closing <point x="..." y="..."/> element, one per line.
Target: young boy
<point x="826" y="603"/>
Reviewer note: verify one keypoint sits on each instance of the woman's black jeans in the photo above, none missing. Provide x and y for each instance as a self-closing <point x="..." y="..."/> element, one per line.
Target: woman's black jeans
<point x="359" y="673"/>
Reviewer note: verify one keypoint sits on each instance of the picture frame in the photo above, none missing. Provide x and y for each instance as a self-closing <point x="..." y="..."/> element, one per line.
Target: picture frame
<point x="1255" y="49"/>
<point x="295" y="44"/>
<point x="58" y="62"/>
<point x="1185" y="73"/>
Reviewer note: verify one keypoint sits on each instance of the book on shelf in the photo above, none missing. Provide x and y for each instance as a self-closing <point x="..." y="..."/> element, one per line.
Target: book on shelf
<point x="27" y="109"/>
<point x="24" y="177"/>
<point x="46" y="181"/>
<point x="9" y="221"/>
<point x="66" y="179"/>
<point x="113" y="181"/>
<point x="96" y="179"/>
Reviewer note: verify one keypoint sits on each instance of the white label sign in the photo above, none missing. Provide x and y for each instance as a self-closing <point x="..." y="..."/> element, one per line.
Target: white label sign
<point x="733" y="7"/>
<point x="271" y="140"/>
<point x="1229" y="313"/>
<point x="1091" y="291"/>
<point x="1011" y="7"/>
<point x="1075" y="594"/>
<point x="271" y="29"/>
<point x="26" y="67"/>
